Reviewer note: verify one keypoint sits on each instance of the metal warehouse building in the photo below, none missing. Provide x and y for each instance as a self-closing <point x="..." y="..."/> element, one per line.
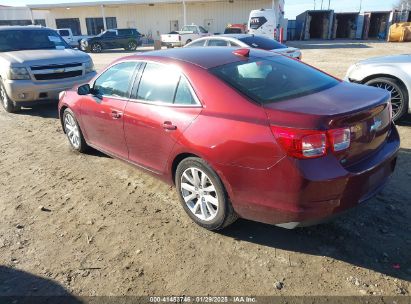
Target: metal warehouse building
<point x="149" y="17"/>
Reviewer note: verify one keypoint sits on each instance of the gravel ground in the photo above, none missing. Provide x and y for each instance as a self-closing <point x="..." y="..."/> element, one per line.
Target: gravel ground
<point x="93" y="225"/>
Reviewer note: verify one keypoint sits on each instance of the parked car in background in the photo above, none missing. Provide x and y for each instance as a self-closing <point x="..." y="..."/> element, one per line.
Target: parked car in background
<point x="248" y="41"/>
<point x="187" y="34"/>
<point x="72" y="40"/>
<point x="236" y="29"/>
<point x="239" y="132"/>
<point x="128" y="39"/>
<point x="392" y="73"/>
<point x="36" y="64"/>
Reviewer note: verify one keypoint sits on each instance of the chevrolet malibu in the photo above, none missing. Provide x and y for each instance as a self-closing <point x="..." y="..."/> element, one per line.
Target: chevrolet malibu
<point x="240" y="132"/>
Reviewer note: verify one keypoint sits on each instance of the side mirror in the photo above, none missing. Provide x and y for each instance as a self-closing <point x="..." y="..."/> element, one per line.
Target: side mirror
<point x="84" y="89"/>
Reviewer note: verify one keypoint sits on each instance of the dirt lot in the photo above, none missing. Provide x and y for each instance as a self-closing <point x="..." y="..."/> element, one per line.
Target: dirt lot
<point x="92" y="225"/>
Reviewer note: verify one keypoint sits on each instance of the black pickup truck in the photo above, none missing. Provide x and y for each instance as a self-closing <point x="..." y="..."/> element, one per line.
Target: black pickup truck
<point x="129" y="39"/>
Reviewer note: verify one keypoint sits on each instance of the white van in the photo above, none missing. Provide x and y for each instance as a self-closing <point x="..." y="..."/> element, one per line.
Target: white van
<point x="263" y="22"/>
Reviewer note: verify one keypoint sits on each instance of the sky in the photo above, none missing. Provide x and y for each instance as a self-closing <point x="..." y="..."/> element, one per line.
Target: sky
<point x="292" y="7"/>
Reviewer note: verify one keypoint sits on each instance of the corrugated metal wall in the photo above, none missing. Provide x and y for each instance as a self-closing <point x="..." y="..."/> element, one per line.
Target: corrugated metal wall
<point x="150" y="19"/>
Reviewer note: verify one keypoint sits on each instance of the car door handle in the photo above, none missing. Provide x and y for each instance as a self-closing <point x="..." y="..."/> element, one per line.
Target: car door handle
<point x="168" y="125"/>
<point x="116" y="115"/>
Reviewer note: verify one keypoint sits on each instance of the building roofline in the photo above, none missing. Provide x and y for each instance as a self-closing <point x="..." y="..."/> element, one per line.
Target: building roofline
<point x="109" y="3"/>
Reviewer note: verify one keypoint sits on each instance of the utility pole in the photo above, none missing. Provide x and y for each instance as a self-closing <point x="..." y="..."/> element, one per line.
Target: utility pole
<point x="314" y="4"/>
<point x="360" y="6"/>
<point x="322" y="1"/>
<point x="329" y="4"/>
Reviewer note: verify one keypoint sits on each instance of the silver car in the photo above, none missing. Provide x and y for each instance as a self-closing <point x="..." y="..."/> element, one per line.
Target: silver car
<point x="36" y="64"/>
<point x="247" y="41"/>
<point x="392" y="73"/>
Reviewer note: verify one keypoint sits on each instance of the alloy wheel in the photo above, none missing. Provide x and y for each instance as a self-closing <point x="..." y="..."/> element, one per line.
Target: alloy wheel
<point x="396" y="97"/>
<point x="96" y="48"/>
<point x="132" y="46"/>
<point x="199" y="194"/>
<point x="72" y="130"/>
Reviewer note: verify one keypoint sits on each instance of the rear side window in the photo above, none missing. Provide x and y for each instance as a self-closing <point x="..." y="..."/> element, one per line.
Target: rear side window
<point x="183" y="93"/>
<point x="217" y="42"/>
<point x="197" y="43"/>
<point x="160" y="83"/>
<point x="115" y="82"/>
<point x="264" y="43"/>
<point x="274" y="78"/>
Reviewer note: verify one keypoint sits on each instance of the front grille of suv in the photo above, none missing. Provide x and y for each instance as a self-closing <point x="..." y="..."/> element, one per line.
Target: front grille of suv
<point x="57" y="71"/>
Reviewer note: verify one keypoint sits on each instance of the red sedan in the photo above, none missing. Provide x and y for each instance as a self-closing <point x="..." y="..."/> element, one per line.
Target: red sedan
<point x="239" y="132"/>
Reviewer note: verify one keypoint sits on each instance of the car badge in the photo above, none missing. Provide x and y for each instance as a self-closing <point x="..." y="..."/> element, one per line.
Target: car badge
<point x="376" y="125"/>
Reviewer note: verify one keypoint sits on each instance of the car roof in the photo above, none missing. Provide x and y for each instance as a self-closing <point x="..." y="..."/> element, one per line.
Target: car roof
<point x="236" y="36"/>
<point x="23" y="27"/>
<point x="206" y="58"/>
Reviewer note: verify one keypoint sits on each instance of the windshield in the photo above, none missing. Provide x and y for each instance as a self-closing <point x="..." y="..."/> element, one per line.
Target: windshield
<point x="189" y="28"/>
<point x="273" y="79"/>
<point x="36" y="39"/>
<point x="262" y="43"/>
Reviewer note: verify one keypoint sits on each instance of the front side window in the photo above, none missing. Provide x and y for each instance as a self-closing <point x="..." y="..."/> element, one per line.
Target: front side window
<point x="273" y="79"/>
<point x="217" y="42"/>
<point x="125" y="32"/>
<point x="64" y="33"/>
<point x="115" y="82"/>
<point x="164" y="84"/>
<point x="33" y="39"/>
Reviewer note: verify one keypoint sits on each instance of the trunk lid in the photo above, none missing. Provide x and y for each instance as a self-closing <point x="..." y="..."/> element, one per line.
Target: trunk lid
<point x="364" y="110"/>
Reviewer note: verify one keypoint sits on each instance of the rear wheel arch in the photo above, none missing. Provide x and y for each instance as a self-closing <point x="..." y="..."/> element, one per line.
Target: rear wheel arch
<point x="180" y="157"/>
<point x="177" y="160"/>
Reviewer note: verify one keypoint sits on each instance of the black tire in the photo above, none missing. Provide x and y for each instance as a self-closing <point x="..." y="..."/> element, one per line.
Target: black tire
<point x="131" y="46"/>
<point x="225" y="214"/>
<point x="96" y="47"/>
<point x="6" y="102"/>
<point x="400" y="98"/>
<point x="188" y="41"/>
<point x="82" y="145"/>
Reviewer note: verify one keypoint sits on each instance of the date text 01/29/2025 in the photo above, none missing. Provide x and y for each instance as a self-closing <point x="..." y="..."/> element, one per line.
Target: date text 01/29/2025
<point x="202" y="299"/>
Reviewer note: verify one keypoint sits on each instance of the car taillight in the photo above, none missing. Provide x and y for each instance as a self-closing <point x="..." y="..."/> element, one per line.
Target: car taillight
<point x="340" y="139"/>
<point x="305" y="144"/>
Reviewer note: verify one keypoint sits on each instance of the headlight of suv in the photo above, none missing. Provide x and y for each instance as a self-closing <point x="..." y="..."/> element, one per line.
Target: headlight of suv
<point x="89" y="66"/>
<point x="18" y="74"/>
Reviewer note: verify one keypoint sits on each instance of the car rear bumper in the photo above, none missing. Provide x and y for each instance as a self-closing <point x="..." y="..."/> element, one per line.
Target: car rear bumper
<point x="305" y="192"/>
<point x="26" y="92"/>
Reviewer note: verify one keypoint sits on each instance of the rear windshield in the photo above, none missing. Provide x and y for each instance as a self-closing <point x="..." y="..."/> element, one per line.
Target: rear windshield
<point x="273" y="79"/>
<point x="262" y="43"/>
<point x="17" y="40"/>
<point x="232" y="30"/>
